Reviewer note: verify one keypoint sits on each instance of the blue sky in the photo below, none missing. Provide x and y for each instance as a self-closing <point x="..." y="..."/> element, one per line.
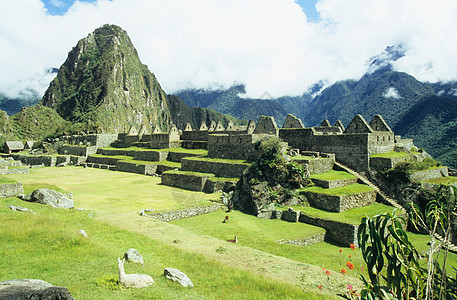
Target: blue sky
<point x="60" y="7"/>
<point x="279" y="46"/>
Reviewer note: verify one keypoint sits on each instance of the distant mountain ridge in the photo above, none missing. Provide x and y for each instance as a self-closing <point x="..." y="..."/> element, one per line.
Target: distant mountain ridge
<point x="231" y="102"/>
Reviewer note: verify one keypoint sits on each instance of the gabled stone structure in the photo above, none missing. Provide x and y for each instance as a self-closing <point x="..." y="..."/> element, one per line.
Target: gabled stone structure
<point x="266" y="125"/>
<point x="163" y="140"/>
<point x="325" y="123"/>
<point x="340" y="125"/>
<point x="292" y="122"/>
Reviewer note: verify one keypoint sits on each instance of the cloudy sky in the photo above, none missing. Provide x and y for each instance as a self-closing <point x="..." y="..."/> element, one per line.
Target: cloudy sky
<point x="277" y="46"/>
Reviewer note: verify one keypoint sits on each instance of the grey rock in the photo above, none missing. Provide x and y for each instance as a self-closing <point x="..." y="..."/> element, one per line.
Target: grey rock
<point x="50" y="197"/>
<point x="64" y="164"/>
<point x="83" y="233"/>
<point x="176" y="275"/>
<point x="35" y="289"/>
<point x="132" y="255"/>
<point x="18" y="208"/>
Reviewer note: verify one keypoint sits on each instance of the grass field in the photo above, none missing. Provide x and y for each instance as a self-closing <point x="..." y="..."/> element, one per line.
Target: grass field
<point x="350" y="189"/>
<point x="333" y="175"/>
<point x="47" y="245"/>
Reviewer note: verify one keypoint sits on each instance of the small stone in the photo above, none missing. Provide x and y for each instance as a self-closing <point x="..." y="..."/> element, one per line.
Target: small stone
<point x="132" y="255"/>
<point x="176" y="275"/>
<point x="83" y="233"/>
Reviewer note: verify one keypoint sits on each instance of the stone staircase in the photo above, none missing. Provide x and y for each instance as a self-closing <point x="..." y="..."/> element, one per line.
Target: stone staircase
<point x="365" y="180"/>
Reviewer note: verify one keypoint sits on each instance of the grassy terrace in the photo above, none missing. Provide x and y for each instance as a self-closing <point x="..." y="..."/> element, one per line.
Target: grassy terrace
<point x="443" y="180"/>
<point x="341" y="191"/>
<point x="333" y="175"/>
<point x="391" y="154"/>
<point x="6" y="179"/>
<point x="198" y="174"/>
<point x="350" y="216"/>
<point x="220" y="160"/>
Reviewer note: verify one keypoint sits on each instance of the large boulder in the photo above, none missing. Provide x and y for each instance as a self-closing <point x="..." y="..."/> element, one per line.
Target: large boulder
<point x="50" y="197"/>
<point x="132" y="255"/>
<point x="176" y="275"/>
<point x="35" y="289"/>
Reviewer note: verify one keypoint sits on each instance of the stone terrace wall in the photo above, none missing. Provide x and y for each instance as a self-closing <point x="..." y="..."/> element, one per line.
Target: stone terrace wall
<point x="131" y="167"/>
<point x="11" y="189"/>
<point x="77" y="150"/>
<point x="331" y="184"/>
<point x="115" y="152"/>
<point x="186" y="213"/>
<point x="185" y="181"/>
<point x="384" y="163"/>
<point x="341" y="233"/>
<point x="220" y="169"/>
<point x="195" y="135"/>
<point x="340" y="203"/>
<point x="35" y="160"/>
<point x="430" y="174"/>
<point x="151" y="155"/>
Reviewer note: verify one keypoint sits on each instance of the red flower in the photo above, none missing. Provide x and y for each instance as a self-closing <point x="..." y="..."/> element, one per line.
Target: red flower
<point x="327" y="272"/>
<point x="344" y="271"/>
<point x="350" y="287"/>
<point x="349" y="255"/>
<point x="353" y="247"/>
<point x="320" y="286"/>
<point x="341" y="250"/>
<point x="350" y="265"/>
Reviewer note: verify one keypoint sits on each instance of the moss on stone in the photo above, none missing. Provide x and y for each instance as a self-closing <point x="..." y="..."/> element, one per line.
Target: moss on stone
<point x="333" y="175"/>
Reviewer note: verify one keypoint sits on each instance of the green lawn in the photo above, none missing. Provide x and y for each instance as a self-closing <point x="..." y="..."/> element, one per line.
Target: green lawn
<point x="47" y="246"/>
<point x="443" y="180"/>
<point x="333" y="175"/>
<point x="6" y="179"/>
<point x="109" y="192"/>
<point x="391" y="154"/>
<point x="351" y="189"/>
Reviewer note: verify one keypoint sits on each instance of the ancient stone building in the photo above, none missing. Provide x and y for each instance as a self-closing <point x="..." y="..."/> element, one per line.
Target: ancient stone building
<point x="352" y="146"/>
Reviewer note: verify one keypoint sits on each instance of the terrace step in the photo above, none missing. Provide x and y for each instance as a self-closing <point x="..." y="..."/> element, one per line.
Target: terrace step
<point x="365" y="180"/>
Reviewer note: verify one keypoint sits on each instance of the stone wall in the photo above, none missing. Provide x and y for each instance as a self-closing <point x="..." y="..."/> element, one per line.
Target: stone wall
<point x="430" y="174"/>
<point x="34" y="160"/>
<point x="11" y="189"/>
<point x="178" y="156"/>
<point x="195" y="135"/>
<point x="381" y="142"/>
<point x="131" y="167"/>
<point x="310" y="240"/>
<point x="318" y="165"/>
<point x="77" y="150"/>
<point x="220" y="169"/>
<point x="115" y="152"/>
<point x="332" y="184"/>
<point x="18" y="170"/>
<point x="105" y="160"/>
<point x="151" y="155"/>
<point x="194" y="145"/>
<point x="340" y="203"/>
<point x="217" y="186"/>
<point x="186" y="213"/>
<point x="192" y="182"/>
<point x="341" y="233"/>
<point x="384" y="163"/>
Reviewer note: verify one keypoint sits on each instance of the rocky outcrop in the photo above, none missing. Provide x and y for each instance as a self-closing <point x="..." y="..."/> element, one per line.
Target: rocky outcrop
<point x="49" y="197"/>
<point x="132" y="255"/>
<point x="176" y="275"/>
<point x="20" y="289"/>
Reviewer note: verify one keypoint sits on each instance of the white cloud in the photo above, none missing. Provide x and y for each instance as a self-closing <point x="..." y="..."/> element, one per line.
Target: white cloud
<point x="267" y="44"/>
<point x="57" y="3"/>
<point x="391" y="93"/>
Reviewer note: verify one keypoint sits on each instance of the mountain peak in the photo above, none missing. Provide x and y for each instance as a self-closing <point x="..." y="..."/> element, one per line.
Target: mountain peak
<point x="384" y="61"/>
<point x="104" y="84"/>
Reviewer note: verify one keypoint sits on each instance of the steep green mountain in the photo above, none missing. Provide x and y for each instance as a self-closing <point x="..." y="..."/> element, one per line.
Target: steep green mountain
<point x="388" y="93"/>
<point x="104" y="86"/>
<point x="32" y="123"/>
<point x="432" y="123"/>
<point x="230" y="102"/>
